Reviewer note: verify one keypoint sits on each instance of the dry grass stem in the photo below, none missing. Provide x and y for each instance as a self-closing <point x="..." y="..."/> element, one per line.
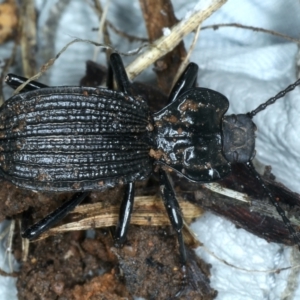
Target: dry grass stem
<point x="147" y="211"/>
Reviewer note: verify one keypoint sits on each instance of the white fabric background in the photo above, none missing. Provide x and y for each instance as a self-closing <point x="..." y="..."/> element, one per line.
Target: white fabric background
<point x="248" y="67"/>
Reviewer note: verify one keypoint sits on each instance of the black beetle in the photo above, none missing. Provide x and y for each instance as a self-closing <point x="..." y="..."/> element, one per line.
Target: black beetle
<point x="80" y="139"/>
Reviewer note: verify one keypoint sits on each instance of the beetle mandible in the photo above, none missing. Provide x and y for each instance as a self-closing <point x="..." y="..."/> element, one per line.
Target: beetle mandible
<point x="80" y="139"/>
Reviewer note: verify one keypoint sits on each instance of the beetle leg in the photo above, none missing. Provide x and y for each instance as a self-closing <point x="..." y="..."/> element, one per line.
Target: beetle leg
<point x="186" y="81"/>
<point x="117" y="69"/>
<point x="286" y="221"/>
<point x="125" y="214"/>
<point x="57" y="215"/>
<point x="110" y="77"/>
<point x="174" y="213"/>
<point x="14" y="81"/>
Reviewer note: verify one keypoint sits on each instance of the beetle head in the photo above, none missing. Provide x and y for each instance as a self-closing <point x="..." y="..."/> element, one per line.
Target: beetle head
<point x="238" y="138"/>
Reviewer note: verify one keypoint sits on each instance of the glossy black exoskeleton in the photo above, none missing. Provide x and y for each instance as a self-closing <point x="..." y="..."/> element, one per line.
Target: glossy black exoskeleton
<point x="81" y="139"/>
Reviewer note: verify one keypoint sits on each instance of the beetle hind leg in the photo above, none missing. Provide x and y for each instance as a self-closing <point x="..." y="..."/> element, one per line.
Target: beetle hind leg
<point x="53" y="218"/>
<point x="174" y="213"/>
<point x="125" y="214"/>
<point x="14" y="81"/>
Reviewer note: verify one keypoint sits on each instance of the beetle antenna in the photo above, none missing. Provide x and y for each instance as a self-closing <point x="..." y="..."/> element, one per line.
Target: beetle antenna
<point x="273" y="99"/>
<point x="286" y="221"/>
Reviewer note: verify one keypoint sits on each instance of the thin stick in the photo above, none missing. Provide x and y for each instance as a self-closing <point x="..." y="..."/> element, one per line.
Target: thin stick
<point x="247" y="270"/>
<point x="101" y="29"/>
<point x="10" y="244"/>
<point x="51" y="61"/>
<point x="130" y="37"/>
<point x="259" y="29"/>
<point x="167" y="43"/>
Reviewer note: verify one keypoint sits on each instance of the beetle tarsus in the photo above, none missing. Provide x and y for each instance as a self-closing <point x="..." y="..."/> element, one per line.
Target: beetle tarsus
<point x="182" y="289"/>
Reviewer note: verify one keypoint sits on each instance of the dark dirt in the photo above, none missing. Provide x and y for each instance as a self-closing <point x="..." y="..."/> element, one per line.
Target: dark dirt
<point x="73" y="266"/>
<point x="151" y="267"/>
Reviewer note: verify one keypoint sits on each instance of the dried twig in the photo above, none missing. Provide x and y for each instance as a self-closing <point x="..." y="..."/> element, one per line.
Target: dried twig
<point x="102" y="30"/>
<point x="158" y="49"/>
<point x="270" y="271"/>
<point x="50" y="29"/>
<point x="51" y="61"/>
<point x="147" y="211"/>
<point x="5" y="68"/>
<point x="8" y="233"/>
<point x="253" y="28"/>
<point x="167" y="42"/>
<point x="131" y="38"/>
<point x="28" y="37"/>
<point x="6" y="274"/>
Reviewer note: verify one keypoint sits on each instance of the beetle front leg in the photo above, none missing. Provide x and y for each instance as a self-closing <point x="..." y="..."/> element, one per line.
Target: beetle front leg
<point x="57" y="215"/>
<point x="125" y="214"/>
<point x="186" y="81"/>
<point x="174" y="213"/>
